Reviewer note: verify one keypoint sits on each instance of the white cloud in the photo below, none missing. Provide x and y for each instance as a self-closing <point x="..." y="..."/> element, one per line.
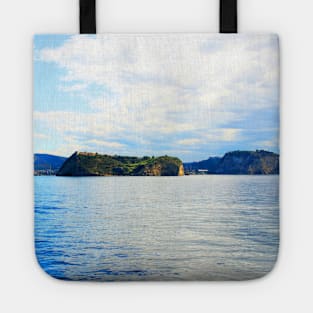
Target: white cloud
<point x="164" y="87"/>
<point x="138" y="67"/>
<point x="106" y="144"/>
<point x="268" y="144"/>
<point x="228" y="134"/>
<point x="41" y="136"/>
<point x="189" y="142"/>
<point x="73" y="88"/>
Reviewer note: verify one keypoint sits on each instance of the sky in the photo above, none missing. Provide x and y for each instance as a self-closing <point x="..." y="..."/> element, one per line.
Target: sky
<point x="186" y="95"/>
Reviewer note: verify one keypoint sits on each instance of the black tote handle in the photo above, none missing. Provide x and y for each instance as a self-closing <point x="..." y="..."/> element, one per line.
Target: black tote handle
<point x="228" y="16"/>
<point x="87" y="15"/>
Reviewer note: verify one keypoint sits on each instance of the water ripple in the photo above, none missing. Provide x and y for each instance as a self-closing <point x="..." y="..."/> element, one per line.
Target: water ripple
<point x="157" y="228"/>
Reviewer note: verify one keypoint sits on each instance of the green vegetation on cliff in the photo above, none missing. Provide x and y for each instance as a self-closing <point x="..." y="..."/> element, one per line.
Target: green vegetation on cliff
<point x="94" y="164"/>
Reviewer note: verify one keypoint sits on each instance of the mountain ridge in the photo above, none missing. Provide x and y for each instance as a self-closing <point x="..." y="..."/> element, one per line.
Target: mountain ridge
<point x="47" y="164"/>
<point x="259" y="162"/>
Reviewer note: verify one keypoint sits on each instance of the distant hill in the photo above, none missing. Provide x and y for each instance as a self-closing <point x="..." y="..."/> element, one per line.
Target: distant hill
<point x="94" y="164"/>
<point x="46" y="164"/>
<point x="258" y="162"/>
<point x="210" y="165"/>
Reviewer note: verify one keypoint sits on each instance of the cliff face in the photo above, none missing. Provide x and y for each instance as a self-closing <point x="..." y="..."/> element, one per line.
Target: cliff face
<point x="239" y="163"/>
<point x="181" y="171"/>
<point x="162" y="166"/>
<point x="93" y="164"/>
<point x="249" y="163"/>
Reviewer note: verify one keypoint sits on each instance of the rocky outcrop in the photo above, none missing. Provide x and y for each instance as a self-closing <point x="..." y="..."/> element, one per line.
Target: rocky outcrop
<point x="162" y="166"/>
<point x="181" y="171"/>
<point x="94" y="164"/>
<point x="258" y="162"/>
<point x="249" y="163"/>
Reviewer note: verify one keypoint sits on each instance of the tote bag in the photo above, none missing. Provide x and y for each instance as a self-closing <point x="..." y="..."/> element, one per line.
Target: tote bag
<point x="156" y="156"/>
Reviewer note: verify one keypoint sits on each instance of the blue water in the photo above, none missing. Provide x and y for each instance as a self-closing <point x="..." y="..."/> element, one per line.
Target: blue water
<point x="157" y="228"/>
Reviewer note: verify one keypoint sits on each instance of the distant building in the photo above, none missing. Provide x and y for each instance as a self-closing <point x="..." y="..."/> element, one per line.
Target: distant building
<point x="203" y="172"/>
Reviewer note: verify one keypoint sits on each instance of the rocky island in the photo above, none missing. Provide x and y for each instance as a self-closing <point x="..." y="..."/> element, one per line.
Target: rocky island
<point x="94" y="164"/>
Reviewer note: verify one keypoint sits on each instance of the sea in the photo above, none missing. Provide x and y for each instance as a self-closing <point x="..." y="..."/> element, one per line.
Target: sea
<point x="185" y="228"/>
